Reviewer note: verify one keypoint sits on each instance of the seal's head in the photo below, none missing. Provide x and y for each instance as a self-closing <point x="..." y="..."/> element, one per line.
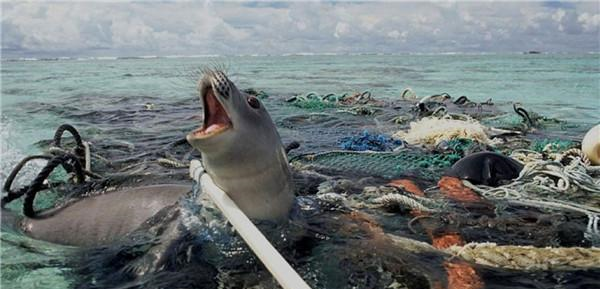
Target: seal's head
<point x="241" y="149"/>
<point x="229" y="115"/>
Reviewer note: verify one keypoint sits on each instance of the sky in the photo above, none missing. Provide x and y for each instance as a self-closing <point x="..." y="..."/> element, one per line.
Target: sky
<point x="54" y="29"/>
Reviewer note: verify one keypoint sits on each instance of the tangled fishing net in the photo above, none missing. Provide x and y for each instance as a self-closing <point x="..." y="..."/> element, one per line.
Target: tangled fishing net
<point x="570" y="185"/>
<point x="505" y="121"/>
<point x="383" y="164"/>
<point x="549" y="177"/>
<point x="432" y="131"/>
<point x="358" y="102"/>
<point x="312" y="101"/>
<point x="551" y="145"/>
<point x="369" y="142"/>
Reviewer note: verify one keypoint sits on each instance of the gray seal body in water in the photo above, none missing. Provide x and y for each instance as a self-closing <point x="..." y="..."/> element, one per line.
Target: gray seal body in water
<point x="100" y="219"/>
<point x="241" y="149"/>
<point x="486" y="168"/>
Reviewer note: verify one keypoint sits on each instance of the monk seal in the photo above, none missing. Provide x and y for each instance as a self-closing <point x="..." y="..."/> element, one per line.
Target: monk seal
<point x="486" y="168"/>
<point x="241" y="149"/>
<point x="100" y="219"/>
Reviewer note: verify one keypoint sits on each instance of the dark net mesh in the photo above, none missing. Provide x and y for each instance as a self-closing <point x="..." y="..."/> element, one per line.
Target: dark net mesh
<point x="383" y="164"/>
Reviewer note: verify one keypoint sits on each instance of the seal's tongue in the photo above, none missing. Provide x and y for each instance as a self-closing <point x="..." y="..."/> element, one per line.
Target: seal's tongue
<point x="215" y="117"/>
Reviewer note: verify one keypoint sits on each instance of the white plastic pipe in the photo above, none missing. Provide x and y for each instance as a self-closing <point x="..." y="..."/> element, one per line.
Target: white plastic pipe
<point x="88" y="160"/>
<point x="275" y="263"/>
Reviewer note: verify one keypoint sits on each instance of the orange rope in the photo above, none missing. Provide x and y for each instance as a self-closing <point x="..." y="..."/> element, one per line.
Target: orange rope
<point x="460" y="274"/>
<point x="447" y="240"/>
<point x="408" y="186"/>
<point x="454" y="189"/>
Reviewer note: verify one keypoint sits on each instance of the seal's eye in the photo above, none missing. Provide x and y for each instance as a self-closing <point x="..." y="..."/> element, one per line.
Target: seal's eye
<point x="253" y="102"/>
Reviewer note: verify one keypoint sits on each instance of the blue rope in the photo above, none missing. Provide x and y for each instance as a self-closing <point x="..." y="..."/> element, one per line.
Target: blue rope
<point x="369" y="142"/>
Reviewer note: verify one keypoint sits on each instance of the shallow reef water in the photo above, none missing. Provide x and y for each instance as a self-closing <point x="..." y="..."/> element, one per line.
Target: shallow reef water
<point x="371" y="211"/>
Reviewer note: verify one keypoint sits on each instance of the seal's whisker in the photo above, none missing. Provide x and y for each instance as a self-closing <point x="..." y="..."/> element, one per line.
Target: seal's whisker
<point x="187" y="75"/>
<point x="180" y="79"/>
<point x="184" y="77"/>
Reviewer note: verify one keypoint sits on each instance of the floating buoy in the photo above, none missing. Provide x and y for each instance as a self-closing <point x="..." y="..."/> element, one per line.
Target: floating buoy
<point x="591" y="145"/>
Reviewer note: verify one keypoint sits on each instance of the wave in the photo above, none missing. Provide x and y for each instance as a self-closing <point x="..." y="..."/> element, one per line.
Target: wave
<point x="12" y="154"/>
<point x="176" y="56"/>
<point x="105" y="58"/>
<point x="192" y="56"/>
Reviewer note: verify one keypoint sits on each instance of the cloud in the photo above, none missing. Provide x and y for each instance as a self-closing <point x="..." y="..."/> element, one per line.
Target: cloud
<point x="589" y="22"/>
<point x="162" y="28"/>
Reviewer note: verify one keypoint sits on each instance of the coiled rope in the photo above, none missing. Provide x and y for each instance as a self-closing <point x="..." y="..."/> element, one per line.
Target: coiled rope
<point x="403" y="201"/>
<point x="39" y="182"/>
<point x="528" y="257"/>
<point x="542" y="181"/>
<point x="70" y="161"/>
<point x="12" y="195"/>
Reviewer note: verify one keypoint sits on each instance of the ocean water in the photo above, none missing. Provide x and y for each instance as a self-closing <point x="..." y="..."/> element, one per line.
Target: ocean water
<point x="106" y="99"/>
<point x="566" y="87"/>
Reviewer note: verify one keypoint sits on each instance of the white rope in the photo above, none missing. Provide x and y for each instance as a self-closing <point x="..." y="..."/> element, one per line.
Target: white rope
<point x="399" y="200"/>
<point x="275" y="263"/>
<point x="528" y="257"/>
<point x="548" y="178"/>
<point x="88" y="158"/>
<point x="539" y="177"/>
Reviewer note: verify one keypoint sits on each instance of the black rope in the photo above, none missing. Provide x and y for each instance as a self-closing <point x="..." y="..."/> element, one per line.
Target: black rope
<point x="67" y="127"/>
<point x="170" y="146"/>
<point x="79" y="149"/>
<point x="292" y="146"/>
<point x="38" y="183"/>
<point x="166" y="150"/>
<point x="461" y="100"/>
<point x="12" y="195"/>
<point x="444" y="94"/>
<point x="487" y="102"/>
<point x="17" y="169"/>
<point x="70" y="161"/>
<point x="523" y="113"/>
<point x="405" y="92"/>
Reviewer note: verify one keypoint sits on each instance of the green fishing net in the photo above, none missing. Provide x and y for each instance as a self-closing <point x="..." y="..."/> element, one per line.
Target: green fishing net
<point x="460" y="145"/>
<point x="314" y="101"/>
<point x="514" y="121"/>
<point x="384" y="164"/>
<point x="556" y="145"/>
<point x="503" y="121"/>
<point x="314" y="104"/>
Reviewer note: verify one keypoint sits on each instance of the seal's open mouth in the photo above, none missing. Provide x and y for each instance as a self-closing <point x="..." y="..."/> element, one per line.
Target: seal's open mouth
<point x="216" y="119"/>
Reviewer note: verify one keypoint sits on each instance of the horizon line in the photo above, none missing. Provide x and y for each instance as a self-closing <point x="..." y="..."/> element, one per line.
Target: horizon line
<point x="175" y="56"/>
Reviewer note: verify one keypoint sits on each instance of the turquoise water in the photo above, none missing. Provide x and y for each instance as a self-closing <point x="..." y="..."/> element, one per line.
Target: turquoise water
<point x="566" y="87"/>
<point x="98" y="95"/>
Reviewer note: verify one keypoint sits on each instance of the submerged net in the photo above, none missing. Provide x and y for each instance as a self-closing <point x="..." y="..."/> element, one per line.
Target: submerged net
<point x="423" y="164"/>
<point x="555" y="145"/>
<point x="383" y="164"/>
